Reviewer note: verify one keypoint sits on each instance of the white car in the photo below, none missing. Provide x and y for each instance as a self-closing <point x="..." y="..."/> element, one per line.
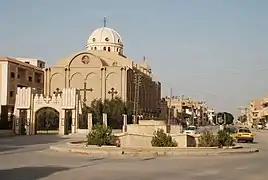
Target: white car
<point x="259" y="126"/>
<point x="191" y="130"/>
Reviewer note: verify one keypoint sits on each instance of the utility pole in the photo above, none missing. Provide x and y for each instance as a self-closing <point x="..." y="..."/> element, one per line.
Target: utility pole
<point x="137" y="82"/>
<point x="169" y="109"/>
<point x="182" y="110"/>
<point x="192" y="116"/>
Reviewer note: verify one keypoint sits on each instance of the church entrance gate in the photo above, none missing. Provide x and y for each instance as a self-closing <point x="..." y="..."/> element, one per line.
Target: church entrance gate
<point x="47" y="121"/>
<point x="67" y="104"/>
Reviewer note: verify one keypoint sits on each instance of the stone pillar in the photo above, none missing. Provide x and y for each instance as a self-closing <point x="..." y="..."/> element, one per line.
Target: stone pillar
<point x="17" y="124"/>
<point x="124" y="123"/>
<point x="62" y="122"/>
<point x="104" y="119"/>
<point x="89" y="121"/>
<point x="74" y="124"/>
<point x="103" y="84"/>
<point x="28" y="122"/>
<point x="123" y="84"/>
<point x="33" y="123"/>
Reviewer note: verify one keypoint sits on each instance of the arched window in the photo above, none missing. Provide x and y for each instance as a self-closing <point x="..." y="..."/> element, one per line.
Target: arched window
<point x="109" y="49"/>
<point x="104" y="48"/>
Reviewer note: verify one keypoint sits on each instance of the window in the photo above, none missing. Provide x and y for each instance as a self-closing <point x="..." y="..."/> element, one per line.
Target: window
<point x="38" y="80"/>
<point x="18" y="76"/>
<point x="41" y="65"/>
<point x="94" y="39"/>
<point x="114" y="63"/>
<point x="109" y="49"/>
<point x="106" y="39"/>
<point x="104" y="48"/>
<point x="27" y="62"/>
<point x="244" y="131"/>
<point x="117" y="49"/>
<point x="12" y="74"/>
<point x="95" y="48"/>
<point x="11" y="93"/>
<point x="30" y="78"/>
<point x="118" y="40"/>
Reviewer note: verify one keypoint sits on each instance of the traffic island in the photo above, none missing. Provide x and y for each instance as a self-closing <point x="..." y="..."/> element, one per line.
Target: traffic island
<point x="81" y="148"/>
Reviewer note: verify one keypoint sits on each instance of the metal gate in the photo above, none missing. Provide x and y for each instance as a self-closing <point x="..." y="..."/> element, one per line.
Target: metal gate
<point x="47" y="121"/>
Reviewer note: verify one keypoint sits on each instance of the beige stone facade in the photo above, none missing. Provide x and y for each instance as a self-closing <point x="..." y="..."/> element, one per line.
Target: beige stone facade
<point x="102" y="71"/>
<point x="254" y="111"/>
<point x="17" y="72"/>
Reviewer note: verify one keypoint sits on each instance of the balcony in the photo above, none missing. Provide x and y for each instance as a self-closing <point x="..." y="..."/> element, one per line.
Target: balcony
<point x="264" y="102"/>
<point x="264" y="112"/>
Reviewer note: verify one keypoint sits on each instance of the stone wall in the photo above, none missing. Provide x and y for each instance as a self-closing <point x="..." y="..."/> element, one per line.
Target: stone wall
<point x="138" y="140"/>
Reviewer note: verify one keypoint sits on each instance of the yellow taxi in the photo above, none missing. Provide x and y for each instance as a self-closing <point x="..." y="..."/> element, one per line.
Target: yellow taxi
<point x="243" y="134"/>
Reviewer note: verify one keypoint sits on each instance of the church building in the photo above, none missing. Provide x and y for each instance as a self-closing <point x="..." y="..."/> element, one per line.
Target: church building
<point x="103" y="71"/>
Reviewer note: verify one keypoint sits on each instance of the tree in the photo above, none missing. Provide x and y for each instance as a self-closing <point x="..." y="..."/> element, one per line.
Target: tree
<point x="242" y="118"/>
<point x="114" y="108"/>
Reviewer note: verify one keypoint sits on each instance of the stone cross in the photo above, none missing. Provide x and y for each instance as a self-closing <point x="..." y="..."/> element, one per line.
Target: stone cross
<point x="112" y="92"/>
<point x="124" y="123"/>
<point x="57" y="92"/>
<point x="104" y="119"/>
<point x="85" y="92"/>
<point x="89" y="121"/>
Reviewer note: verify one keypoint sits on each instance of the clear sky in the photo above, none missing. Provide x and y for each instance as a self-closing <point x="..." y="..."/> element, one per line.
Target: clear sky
<point x="209" y="50"/>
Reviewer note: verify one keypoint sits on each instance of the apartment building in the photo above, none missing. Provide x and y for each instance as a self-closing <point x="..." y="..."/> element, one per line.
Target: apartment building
<point x="254" y="111"/>
<point x="17" y="72"/>
<point x="195" y="112"/>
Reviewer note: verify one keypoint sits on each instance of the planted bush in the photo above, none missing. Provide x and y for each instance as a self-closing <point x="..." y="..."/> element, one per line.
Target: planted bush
<point x="100" y="135"/>
<point x="207" y="139"/>
<point x="162" y="139"/>
<point x="224" y="139"/>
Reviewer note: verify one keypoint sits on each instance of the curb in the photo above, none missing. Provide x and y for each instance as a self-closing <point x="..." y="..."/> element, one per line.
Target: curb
<point x="129" y="152"/>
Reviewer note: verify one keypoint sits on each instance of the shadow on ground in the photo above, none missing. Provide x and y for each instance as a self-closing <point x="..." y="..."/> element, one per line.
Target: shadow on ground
<point x="29" y="173"/>
<point x="14" y="143"/>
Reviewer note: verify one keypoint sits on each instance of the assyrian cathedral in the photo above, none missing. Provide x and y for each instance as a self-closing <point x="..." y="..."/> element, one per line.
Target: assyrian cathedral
<point x="103" y="71"/>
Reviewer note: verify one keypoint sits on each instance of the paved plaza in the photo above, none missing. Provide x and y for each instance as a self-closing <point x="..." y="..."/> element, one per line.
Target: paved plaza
<point x="29" y="158"/>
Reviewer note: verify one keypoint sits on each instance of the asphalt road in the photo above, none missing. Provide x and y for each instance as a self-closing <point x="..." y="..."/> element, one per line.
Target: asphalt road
<point x="28" y="158"/>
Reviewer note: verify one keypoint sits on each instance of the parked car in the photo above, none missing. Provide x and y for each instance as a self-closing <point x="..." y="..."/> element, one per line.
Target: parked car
<point x="191" y="130"/>
<point x="243" y="134"/>
<point x="259" y="125"/>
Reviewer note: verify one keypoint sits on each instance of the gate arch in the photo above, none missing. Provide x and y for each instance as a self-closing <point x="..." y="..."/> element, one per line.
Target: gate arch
<point x="47" y="120"/>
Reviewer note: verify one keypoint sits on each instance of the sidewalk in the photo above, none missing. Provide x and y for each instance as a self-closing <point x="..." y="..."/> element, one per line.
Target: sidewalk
<point x="6" y="133"/>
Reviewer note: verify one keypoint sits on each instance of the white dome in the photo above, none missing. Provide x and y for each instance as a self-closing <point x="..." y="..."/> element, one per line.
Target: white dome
<point x="105" y="39"/>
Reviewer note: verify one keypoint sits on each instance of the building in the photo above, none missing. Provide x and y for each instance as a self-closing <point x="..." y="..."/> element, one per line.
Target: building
<point x="103" y="71"/>
<point x="195" y="112"/>
<point x="257" y="110"/>
<point x="211" y="116"/>
<point x="17" y="73"/>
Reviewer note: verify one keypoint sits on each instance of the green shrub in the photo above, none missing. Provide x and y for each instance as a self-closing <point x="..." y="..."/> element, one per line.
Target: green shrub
<point x="161" y="139"/>
<point x="100" y="135"/>
<point x="207" y="139"/>
<point x="224" y="139"/>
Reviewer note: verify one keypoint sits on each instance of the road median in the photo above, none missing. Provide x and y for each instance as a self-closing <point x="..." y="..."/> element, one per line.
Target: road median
<point x="155" y="151"/>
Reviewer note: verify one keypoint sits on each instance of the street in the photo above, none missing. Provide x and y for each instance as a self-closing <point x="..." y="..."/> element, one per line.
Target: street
<point x="28" y="158"/>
